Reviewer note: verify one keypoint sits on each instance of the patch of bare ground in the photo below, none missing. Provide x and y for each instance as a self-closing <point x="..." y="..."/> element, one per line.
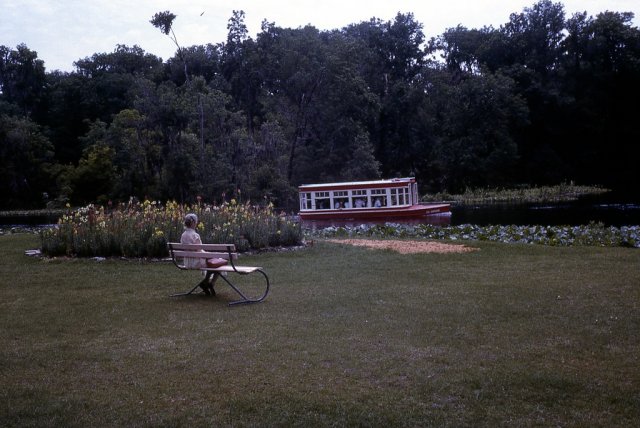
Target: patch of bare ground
<point x="407" y="247"/>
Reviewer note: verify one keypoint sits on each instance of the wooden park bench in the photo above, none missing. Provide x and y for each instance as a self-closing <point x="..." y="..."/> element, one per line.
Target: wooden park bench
<point x="205" y="252"/>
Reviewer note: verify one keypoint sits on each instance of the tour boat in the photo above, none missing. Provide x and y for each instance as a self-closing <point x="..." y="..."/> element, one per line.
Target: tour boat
<point x="377" y="199"/>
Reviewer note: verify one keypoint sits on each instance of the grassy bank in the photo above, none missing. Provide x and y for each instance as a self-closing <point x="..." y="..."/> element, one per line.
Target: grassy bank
<point x="508" y="335"/>
<point x="539" y="194"/>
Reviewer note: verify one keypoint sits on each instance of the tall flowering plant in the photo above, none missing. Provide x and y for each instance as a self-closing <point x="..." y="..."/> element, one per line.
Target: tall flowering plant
<point x="142" y="229"/>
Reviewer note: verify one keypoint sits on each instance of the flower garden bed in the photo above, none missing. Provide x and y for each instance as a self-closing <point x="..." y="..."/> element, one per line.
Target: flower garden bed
<point x="142" y="229"/>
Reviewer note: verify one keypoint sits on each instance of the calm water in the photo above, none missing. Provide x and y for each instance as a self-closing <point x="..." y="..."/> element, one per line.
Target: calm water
<point x="610" y="209"/>
<point x="28" y="220"/>
<point x="619" y="214"/>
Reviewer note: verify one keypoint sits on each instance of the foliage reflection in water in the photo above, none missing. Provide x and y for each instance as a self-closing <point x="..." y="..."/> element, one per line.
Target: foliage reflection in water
<point x="576" y="213"/>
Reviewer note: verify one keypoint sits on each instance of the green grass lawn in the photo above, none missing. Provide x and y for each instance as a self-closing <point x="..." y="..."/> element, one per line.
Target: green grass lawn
<point x="509" y="335"/>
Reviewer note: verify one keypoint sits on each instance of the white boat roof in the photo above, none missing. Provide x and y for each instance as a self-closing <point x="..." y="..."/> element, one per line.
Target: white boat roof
<point x="356" y="184"/>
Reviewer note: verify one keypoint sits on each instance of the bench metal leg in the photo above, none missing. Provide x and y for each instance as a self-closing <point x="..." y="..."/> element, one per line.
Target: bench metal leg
<point x="187" y="293"/>
<point x="246" y="299"/>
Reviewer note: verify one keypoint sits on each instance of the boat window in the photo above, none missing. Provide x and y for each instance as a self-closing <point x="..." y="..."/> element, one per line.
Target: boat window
<point x="360" y="199"/>
<point x="414" y="194"/>
<point x="305" y="201"/>
<point x="378" y="198"/>
<point x="323" y="201"/>
<point x="341" y="199"/>
<point x="400" y="196"/>
<point x="404" y="196"/>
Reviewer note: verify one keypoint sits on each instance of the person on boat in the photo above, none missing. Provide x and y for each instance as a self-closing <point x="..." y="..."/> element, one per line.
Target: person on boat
<point x="360" y="203"/>
<point x="190" y="236"/>
<point x="337" y="205"/>
<point x="377" y="203"/>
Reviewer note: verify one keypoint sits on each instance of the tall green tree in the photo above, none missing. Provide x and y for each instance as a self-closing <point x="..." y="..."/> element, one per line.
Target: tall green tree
<point x="124" y="60"/>
<point x="478" y="121"/>
<point x="602" y="77"/>
<point x="242" y="68"/>
<point x="393" y="70"/>
<point x="22" y="78"/>
<point x="362" y="164"/>
<point x="295" y="77"/>
<point x="26" y="161"/>
<point x="94" y="178"/>
<point x="314" y="90"/>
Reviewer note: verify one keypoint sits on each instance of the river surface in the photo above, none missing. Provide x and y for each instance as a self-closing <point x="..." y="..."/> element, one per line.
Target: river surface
<point x="573" y="214"/>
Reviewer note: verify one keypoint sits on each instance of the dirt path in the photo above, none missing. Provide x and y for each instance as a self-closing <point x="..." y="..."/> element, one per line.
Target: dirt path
<point x="407" y="247"/>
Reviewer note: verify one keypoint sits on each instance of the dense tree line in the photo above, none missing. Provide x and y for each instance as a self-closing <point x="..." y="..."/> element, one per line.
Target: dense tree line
<point x="543" y="99"/>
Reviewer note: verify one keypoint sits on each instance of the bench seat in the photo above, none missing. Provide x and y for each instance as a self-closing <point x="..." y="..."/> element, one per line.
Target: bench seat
<point x="181" y="252"/>
<point x="238" y="269"/>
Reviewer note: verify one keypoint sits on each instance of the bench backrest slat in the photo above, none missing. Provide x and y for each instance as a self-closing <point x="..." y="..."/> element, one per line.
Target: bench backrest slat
<point x="204" y="254"/>
<point x="200" y="251"/>
<point x="206" y="247"/>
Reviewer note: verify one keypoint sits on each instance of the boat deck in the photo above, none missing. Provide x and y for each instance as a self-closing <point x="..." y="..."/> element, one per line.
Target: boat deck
<point x="420" y="210"/>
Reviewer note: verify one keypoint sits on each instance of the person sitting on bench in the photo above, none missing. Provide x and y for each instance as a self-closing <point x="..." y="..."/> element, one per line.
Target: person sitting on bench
<point x="190" y="236"/>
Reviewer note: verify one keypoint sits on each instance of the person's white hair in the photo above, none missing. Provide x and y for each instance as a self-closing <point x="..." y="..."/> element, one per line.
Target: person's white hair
<point x="191" y="220"/>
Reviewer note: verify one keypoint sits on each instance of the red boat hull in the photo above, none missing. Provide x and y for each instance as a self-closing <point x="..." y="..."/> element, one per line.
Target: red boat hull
<point x="414" y="211"/>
